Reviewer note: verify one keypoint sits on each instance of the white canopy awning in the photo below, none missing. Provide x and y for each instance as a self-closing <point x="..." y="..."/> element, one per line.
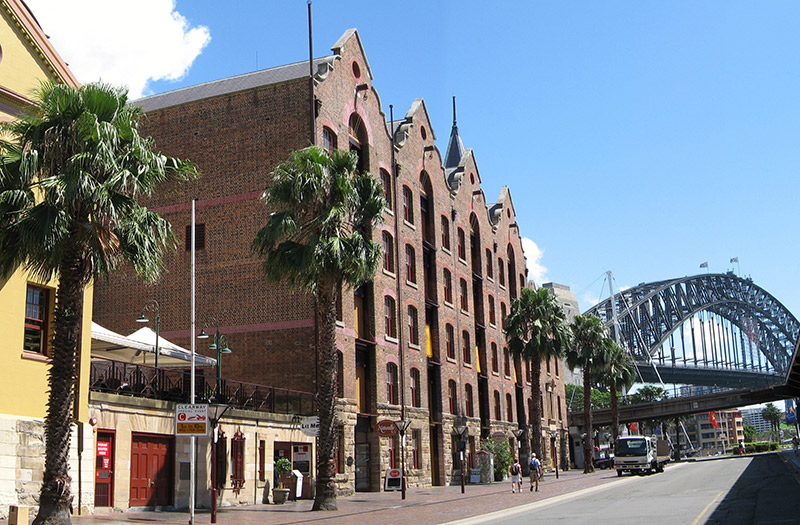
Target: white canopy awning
<point x="139" y="348"/>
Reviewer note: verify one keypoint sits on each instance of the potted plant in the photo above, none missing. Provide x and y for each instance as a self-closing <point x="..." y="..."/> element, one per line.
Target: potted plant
<point x="501" y="453"/>
<point x="282" y="467"/>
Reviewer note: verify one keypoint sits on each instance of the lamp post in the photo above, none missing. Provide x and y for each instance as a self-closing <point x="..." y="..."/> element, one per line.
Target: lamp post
<point x="461" y="429"/>
<point x="220" y="344"/>
<point x="402" y="425"/>
<point x="151" y="304"/>
<point x="215" y="413"/>
<point x="553" y="436"/>
<point x="519" y="433"/>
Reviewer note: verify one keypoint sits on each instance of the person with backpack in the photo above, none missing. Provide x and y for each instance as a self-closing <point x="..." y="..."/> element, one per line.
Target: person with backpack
<point x="516" y="477"/>
<point x="536" y="471"/>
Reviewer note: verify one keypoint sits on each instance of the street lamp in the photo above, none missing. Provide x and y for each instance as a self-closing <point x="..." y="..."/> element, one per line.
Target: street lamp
<point x="553" y="436"/>
<point x="151" y="304"/>
<point x="215" y="413"/>
<point x="518" y="434"/>
<point x="402" y="425"/>
<point x="461" y="429"/>
<point x="219" y="344"/>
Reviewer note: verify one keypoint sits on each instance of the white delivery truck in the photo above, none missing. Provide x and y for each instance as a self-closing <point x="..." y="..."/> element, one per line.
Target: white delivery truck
<point x="640" y="454"/>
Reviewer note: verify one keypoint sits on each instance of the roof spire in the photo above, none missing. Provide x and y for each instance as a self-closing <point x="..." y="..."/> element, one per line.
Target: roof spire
<point x="455" y="149"/>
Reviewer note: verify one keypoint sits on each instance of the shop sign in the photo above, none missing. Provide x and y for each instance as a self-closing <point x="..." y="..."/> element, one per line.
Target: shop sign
<point x="310" y="426"/>
<point x="386" y="428"/>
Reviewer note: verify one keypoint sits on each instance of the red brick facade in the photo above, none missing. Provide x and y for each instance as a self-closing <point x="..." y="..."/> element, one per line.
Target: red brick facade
<point x="236" y="138"/>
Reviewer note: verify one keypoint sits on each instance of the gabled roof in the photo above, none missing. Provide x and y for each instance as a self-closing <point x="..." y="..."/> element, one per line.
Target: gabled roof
<point x="455" y="148"/>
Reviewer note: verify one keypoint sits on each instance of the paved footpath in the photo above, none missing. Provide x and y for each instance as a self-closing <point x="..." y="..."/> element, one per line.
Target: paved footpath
<point x="422" y="506"/>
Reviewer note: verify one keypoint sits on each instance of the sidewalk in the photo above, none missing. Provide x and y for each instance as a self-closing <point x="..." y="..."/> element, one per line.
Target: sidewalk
<point x="422" y="506"/>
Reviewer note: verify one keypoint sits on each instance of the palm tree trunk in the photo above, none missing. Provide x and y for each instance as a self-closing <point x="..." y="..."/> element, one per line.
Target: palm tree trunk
<point x="677" y="439"/>
<point x="55" y="500"/>
<point x="587" y="415"/>
<point x="614" y="412"/>
<point x="536" y="423"/>
<point x="325" y="498"/>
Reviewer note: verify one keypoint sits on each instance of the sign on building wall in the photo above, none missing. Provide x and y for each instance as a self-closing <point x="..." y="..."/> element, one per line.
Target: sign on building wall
<point x="191" y="420"/>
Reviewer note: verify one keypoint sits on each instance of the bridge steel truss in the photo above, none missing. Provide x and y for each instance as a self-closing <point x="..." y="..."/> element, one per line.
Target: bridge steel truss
<point x="650" y="313"/>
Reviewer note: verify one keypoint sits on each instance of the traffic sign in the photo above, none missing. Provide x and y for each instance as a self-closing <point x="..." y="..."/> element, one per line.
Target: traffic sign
<point x="191" y="420"/>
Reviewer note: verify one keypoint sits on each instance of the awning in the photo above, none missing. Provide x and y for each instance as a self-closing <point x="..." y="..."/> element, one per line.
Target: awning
<point x="139" y="348"/>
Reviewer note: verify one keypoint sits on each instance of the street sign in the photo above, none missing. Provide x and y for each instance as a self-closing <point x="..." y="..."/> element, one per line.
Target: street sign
<point x="386" y="428"/>
<point x="191" y="420"/>
<point x="310" y="426"/>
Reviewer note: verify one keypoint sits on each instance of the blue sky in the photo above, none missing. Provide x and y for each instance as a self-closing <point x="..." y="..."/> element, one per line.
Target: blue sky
<point x="640" y="137"/>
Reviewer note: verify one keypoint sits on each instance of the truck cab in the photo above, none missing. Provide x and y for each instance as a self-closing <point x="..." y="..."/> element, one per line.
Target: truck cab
<point x="640" y="454"/>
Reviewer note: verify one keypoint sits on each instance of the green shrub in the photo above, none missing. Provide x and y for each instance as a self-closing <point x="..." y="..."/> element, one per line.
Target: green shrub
<point x="501" y="452"/>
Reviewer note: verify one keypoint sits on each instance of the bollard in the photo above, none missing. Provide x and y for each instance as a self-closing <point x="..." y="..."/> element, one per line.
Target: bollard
<point x="17" y="515"/>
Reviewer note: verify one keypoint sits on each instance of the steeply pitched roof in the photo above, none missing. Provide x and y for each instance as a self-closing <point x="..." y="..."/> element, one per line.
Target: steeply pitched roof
<point x="455" y="148"/>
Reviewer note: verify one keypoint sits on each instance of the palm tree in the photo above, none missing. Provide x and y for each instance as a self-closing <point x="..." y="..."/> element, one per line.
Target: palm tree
<point x="69" y="185"/>
<point x="617" y="373"/>
<point x="586" y="351"/>
<point x="320" y="238"/>
<point x="535" y="331"/>
<point x="772" y="415"/>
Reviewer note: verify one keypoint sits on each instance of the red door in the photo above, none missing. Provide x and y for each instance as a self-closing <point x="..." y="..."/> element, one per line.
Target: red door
<point x="104" y="470"/>
<point x="151" y="470"/>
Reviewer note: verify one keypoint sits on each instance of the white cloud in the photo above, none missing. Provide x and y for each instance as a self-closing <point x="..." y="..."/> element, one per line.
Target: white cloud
<point x="533" y="255"/>
<point x="121" y="43"/>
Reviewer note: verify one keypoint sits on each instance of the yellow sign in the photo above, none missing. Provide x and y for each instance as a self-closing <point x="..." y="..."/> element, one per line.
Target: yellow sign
<point x="192" y="428"/>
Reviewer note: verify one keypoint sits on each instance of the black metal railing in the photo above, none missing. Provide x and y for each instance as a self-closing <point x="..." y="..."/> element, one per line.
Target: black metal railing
<point x="118" y="377"/>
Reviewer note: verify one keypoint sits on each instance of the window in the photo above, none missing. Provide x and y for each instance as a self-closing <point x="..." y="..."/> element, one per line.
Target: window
<point x="452" y="396"/>
<point x="558" y="400"/>
<point x="237" y="461"/>
<point x="199" y="237"/>
<point x="391" y="383"/>
<point x="262" y="461"/>
<point x="555" y="366"/>
<point x="328" y="140"/>
<point x="339" y="374"/>
<point x="413" y="326"/>
<point x="221" y="457"/>
<point x="497" y="410"/>
<point x="445" y="233"/>
<point x="489" y="269"/>
<point x="388" y="252"/>
<point x="386" y="182"/>
<point x="464" y="296"/>
<point x="462" y="245"/>
<point x="408" y="205"/>
<point x="37" y="305"/>
<point x="449" y="335"/>
<point x="416" y="449"/>
<point x="411" y="264"/>
<point x="506" y="363"/>
<point x="509" y="408"/>
<point x="527" y="371"/>
<point x="495" y="368"/>
<point x="548" y="364"/>
<point x="492" y="313"/>
<point x="468" y="401"/>
<point x="415" y="388"/>
<point x="465" y="349"/>
<point x="503" y="315"/>
<point x="501" y="275"/>
<point x="448" y="286"/>
<point x="339" y="452"/>
<point x="390" y="316"/>
<point x="521" y="281"/>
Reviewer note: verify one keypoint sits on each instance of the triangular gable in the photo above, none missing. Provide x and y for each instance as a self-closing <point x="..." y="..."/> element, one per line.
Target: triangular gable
<point x="337" y="47"/>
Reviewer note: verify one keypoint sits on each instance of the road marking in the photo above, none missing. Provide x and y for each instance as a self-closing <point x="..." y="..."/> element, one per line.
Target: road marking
<point x="698" y="518"/>
<point x="525" y="508"/>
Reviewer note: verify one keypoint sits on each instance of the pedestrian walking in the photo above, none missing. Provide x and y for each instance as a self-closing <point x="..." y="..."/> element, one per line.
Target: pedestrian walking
<point x="536" y="471"/>
<point x="516" y="477"/>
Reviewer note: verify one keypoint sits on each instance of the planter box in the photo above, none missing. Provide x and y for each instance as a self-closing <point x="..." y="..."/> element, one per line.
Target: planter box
<point x="279" y="496"/>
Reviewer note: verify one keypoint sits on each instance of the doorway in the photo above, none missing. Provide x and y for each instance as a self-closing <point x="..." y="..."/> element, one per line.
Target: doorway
<point x="151" y="470"/>
<point x="104" y="469"/>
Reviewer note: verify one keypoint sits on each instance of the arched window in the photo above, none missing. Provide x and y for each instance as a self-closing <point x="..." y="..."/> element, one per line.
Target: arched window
<point x="462" y="245"/>
<point x="512" y="271"/>
<point x="452" y="396"/>
<point x="386" y="182"/>
<point x="408" y="205"/>
<point x="495" y="365"/>
<point x="339" y="374"/>
<point x="358" y="142"/>
<point x="391" y="383"/>
<point x="489" y="267"/>
<point x="411" y="264"/>
<point x="492" y="313"/>
<point x="390" y="316"/>
<point x="388" y="252"/>
<point x="464" y="295"/>
<point x="497" y="410"/>
<point x="468" y="401"/>
<point x="501" y="273"/>
<point x="328" y="139"/>
<point x="413" y="326"/>
<point x="503" y="315"/>
<point x="450" y="343"/>
<point x="506" y="363"/>
<point x="448" y="286"/>
<point x="465" y="349"/>
<point x="445" y="233"/>
<point x="509" y="408"/>
<point x="415" y="388"/>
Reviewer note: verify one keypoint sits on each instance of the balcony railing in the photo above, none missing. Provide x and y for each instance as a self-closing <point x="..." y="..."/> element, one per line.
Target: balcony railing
<point x="118" y="377"/>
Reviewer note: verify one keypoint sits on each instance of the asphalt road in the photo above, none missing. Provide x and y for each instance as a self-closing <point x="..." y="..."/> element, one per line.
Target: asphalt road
<point x="760" y="489"/>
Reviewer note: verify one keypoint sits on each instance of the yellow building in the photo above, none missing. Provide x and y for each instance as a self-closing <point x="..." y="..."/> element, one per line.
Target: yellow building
<point x="26" y="304"/>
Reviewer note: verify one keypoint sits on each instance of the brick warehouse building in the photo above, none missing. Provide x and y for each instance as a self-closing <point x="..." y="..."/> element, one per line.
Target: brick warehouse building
<point x="423" y="339"/>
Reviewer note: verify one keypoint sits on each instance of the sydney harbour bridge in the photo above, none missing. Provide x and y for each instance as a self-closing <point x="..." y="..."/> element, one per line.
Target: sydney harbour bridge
<point x="711" y="333"/>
